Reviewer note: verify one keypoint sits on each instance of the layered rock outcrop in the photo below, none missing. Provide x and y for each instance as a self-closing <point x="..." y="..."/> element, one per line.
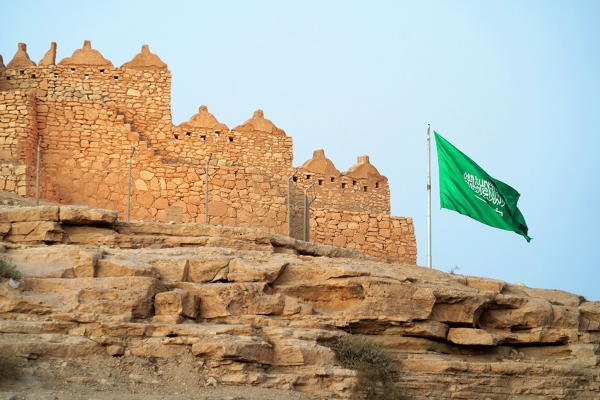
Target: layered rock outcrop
<point x="256" y="308"/>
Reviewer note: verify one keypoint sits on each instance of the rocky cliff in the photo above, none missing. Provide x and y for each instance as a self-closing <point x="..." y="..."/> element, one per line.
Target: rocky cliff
<point x="239" y="306"/>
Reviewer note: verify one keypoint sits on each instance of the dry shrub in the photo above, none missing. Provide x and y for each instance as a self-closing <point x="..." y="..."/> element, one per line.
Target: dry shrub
<point x="377" y="375"/>
<point x="8" y="269"/>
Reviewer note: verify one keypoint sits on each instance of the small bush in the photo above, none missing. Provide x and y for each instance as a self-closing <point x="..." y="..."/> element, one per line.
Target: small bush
<point x="376" y="372"/>
<point x="8" y="269"/>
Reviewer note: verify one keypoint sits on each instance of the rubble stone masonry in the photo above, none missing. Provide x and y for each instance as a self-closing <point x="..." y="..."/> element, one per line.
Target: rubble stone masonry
<point x="91" y="116"/>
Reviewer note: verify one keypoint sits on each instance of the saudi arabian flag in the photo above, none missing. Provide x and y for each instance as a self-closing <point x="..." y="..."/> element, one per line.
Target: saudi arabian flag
<point x="469" y="190"/>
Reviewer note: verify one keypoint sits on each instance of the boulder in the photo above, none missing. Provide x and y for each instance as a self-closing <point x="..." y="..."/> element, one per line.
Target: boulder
<point x="177" y="302"/>
<point x="264" y="270"/>
<point x="113" y="266"/>
<point x="83" y="215"/>
<point x="171" y="270"/>
<point x="208" y="269"/>
<point x="28" y="214"/>
<point x="226" y="347"/>
<point x="225" y="299"/>
<point x="35" y="231"/>
<point x="470" y="336"/>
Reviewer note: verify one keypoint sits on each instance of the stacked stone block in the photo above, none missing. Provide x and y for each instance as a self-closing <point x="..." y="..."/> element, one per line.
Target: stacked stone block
<point x="382" y="236"/>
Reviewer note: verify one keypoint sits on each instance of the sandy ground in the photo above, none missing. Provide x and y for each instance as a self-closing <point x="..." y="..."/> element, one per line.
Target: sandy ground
<point x="123" y="378"/>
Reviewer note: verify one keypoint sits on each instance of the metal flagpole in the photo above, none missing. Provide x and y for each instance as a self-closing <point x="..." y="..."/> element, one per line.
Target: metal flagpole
<point x="428" y="197"/>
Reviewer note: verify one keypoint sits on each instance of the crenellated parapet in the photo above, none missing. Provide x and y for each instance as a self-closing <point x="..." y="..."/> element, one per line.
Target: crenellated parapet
<point x="50" y="56"/>
<point x="21" y="58"/>
<point x="204" y="120"/>
<point x="145" y="60"/>
<point x="86" y="56"/>
<point x="258" y="123"/>
<point x="361" y="188"/>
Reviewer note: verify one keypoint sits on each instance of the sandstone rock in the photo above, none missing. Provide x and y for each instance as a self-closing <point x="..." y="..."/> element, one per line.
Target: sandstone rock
<point x="35" y="231"/>
<point x="56" y="261"/>
<point x="4" y="229"/>
<point x="224" y="299"/>
<point x="112" y="266"/>
<point x="86" y="266"/>
<point x="456" y="306"/>
<point x="24" y="214"/>
<point x="427" y="329"/>
<point x="177" y="302"/>
<point x="90" y="236"/>
<point x="533" y="313"/>
<point x="208" y="269"/>
<point x="469" y="336"/>
<point x="556" y="297"/>
<point x="247" y="349"/>
<point x="171" y="270"/>
<point x="82" y="215"/>
<point x="365" y="298"/>
<point x="114" y="350"/>
<point x="130" y="296"/>
<point x="242" y="270"/>
<point x="588" y="354"/>
<point x="491" y="285"/>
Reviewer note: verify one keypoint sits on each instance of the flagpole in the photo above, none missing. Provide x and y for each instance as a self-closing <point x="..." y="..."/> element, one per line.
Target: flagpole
<point x="428" y="197"/>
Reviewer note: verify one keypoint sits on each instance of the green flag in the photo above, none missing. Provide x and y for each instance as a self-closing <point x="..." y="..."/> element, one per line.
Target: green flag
<point x="469" y="190"/>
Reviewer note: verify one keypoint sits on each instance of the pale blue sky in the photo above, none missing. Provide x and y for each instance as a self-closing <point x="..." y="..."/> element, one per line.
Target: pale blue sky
<point x="513" y="84"/>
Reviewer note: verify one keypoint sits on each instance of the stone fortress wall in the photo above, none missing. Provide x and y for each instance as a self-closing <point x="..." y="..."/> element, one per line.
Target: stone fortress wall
<point x="91" y="115"/>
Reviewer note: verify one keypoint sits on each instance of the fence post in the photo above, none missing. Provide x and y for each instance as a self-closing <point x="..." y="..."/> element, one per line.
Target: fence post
<point x="206" y="197"/>
<point x="307" y="204"/>
<point x="289" y="210"/>
<point x="37" y="172"/>
<point x="129" y="185"/>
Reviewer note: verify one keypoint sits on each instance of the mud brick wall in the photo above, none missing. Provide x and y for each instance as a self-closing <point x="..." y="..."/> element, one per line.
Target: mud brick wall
<point x="382" y="236"/>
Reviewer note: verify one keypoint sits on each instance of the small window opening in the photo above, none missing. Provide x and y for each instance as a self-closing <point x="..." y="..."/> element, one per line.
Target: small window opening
<point x="203" y="138"/>
<point x="176" y="137"/>
<point x="295" y="179"/>
<point x="230" y="139"/>
<point x="72" y="70"/>
<point x="22" y="72"/>
<point x="87" y="76"/>
<point x="188" y="134"/>
<point x="332" y="179"/>
<point x="320" y="182"/>
<point x="217" y="133"/>
<point x="33" y="76"/>
<point x="8" y="78"/>
<point x="116" y="78"/>
<point x="364" y="188"/>
<point x="56" y="75"/>
<point x="376" y="185"/>
<point x="101" y="72"/>
<point x="307" y="177"/>
<point x="353" y="183"/>
<point x="344" y="185"/>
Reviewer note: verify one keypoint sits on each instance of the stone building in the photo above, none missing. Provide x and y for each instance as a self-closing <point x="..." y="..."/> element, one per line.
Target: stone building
<point x="87" y="117"/>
